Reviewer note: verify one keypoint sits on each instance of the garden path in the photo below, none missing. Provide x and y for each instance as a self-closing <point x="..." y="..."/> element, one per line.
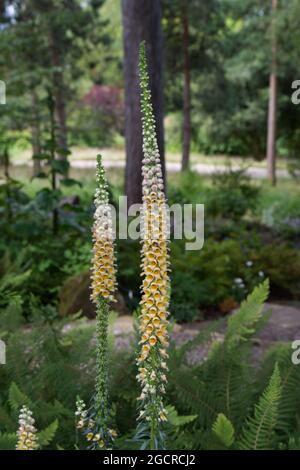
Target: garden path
<point x="201" y="168"/>
<point x="282" y="326"/>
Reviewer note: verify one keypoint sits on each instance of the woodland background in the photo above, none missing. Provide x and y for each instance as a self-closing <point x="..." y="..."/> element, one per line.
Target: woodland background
<point x="221" y="74"/>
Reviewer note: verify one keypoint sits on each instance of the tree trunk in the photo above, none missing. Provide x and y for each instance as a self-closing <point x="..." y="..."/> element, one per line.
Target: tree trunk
<point x="35" y="133"/>
<point x="141" y="21"/>
<point x="271" y="139"/>
<point x="186" y="134"/>
<point x="58" y="94"/>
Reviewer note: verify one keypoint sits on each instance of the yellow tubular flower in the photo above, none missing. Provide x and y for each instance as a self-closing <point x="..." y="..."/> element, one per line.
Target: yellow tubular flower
<point x="27" y="438"/>
<point x="103" y="286"/>
<point x="103" y="268"/>
<point x="155" y="266"/>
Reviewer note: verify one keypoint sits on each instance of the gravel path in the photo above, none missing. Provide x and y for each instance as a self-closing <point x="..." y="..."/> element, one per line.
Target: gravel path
<point x="282" y="326"/>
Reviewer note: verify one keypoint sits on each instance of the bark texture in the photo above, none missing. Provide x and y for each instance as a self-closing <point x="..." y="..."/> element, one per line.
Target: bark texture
<point x="35" y="132"/>
<point x="272" y="112"/>
<point x="141" y="22"/>
<point x="58" y="95"/>
<point x="186" y="134"/>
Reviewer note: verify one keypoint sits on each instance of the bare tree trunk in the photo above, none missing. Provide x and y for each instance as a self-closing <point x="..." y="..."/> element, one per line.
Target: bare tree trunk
<point x="141" y="21"/>
<point x="58" y="94"/>
<point x="186" y="134"/>
<point x="35" y="133"/>
<point x="272" y="112"/>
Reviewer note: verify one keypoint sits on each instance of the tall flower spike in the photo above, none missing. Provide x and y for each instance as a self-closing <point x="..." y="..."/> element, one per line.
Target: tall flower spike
<point x="95" y="422"/>
<point x="103" y="269"/>
<point x="27" y="438"/>
<point x="155" y="266"/>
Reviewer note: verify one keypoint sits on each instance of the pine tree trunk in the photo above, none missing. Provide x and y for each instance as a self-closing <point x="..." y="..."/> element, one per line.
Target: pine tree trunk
<point x="272" y="112"/>
<point x="35" y="133"/>
<point x="58" y="94"/>
<point x="186" y="134"/>
<point x="141" y="21"/>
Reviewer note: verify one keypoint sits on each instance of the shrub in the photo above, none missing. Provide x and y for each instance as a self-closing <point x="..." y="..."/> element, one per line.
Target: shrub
<point x="186" y="297"/>
<point x="232" y="195"/>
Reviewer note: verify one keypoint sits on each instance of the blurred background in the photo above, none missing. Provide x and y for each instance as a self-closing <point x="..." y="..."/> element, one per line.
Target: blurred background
<point x="221" y="74"/>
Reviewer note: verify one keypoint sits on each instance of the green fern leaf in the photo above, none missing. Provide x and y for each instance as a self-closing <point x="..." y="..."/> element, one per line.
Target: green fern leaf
<point x="176" y="420"/>
<point x="193" y="394"/>
<point x="224" y="430"/>
<point x="242" y="323"/>
<point x="16" y="397"/>
<point x="294" y="444"/>
<point x="289" y="407"/>
<point x="259" y="431"/>
<point x="46" y="435"/>
<point x="8" y="441"/>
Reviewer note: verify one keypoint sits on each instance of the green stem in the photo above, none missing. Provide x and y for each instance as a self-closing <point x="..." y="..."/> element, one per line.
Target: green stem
<point x="102" y="361"/>
<point x="152" y="434"/>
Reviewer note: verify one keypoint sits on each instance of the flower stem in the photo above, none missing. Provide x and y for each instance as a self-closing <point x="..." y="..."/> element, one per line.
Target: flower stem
<point x="102" y="359"/>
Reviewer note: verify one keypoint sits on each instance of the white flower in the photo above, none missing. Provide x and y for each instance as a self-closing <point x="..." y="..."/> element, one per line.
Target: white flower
<point x="27" y="439"/>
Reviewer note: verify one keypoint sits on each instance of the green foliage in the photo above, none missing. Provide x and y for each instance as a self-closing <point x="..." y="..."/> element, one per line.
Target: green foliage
<point x="281" y="212"/>
<point x="16" y="398"/>
<point x="224" y="430"/>
<point x="222" y="402"/>
<point x="232" y="195"/>
<point x="52" y="367"/>
<point x="259" y="430"/>
<point x="175" y="420"/>
<point x="229" y="74"/>
<point x="46" y="436"/>
<point x="8" y="441"/>
<point x="189" y="187"/>
<point x="185" y="297"/>
<point x="288" y="420"/>
<point x="216" y="278"/>
<point x="281" y="264"/>
<point x="242" y="323"/>
<point x="13" y="276"/>
<point x="222" y="391"/>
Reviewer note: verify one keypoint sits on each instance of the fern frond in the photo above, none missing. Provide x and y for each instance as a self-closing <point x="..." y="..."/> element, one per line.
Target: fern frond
<point x="259" y="431"/>
<point x="228" y="376"/>
<point x="242" y="323"/>
<point x="289" y="406"/>
<point x="192" y="394"/>
<point x="8" y="441"/>
<point x="224" y="430"/>
<point x="294" y="444"/>
<point x="47" y="435"/>
<point x="175" y="420"/>
<point x="16" y="397"/>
